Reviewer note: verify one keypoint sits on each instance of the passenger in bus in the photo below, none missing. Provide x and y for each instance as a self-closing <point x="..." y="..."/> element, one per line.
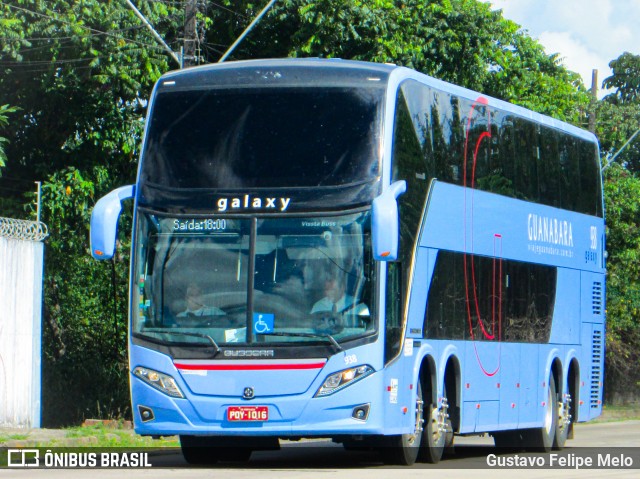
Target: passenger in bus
<point x="195" y="306"/>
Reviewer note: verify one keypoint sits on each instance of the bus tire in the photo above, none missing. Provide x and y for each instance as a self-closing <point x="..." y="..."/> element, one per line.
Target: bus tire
<point x="403" y="449"/>
<point x="210" y="450"/>
<point x="564" y="422"/>
<point x="437" y="434"/>
<point x="542" y="439"/>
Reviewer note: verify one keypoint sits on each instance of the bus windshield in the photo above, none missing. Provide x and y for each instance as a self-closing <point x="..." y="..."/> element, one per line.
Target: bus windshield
<point x="264" y="137"/>
<point x="300" y="280"/>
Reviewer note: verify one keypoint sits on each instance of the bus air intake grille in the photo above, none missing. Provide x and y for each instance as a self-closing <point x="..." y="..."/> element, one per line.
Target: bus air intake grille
<point x="597" y="298"/>
<point x="596" y="369"/>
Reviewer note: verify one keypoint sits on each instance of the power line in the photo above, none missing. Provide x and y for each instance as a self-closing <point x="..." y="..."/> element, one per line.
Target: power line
<point x="75" y="25"/>
<point x="222" y="7"/>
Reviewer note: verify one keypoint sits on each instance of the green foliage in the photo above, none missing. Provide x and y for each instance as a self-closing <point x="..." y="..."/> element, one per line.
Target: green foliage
<point x="618" y="117"/>
<point x="85" y="337"/>
<point x="625" y="79"/>
<point x="619" y="113"/>
<point x="4" y="121"/>
<point x="460" y="41"/>
<point x="79" y="71"/>
<point x="622" y="189"/>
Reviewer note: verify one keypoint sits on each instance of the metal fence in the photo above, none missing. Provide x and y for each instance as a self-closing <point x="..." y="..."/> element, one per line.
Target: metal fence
<point x="21" y="276"/>
<point x="23" y="230"/>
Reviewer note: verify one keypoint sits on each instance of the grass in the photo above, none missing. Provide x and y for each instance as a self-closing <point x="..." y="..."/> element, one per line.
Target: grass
<point x="13" y="437"/>
<point x="86" y="436"/>
<point x="619" y="413"/>
<point x="101" y="436"/>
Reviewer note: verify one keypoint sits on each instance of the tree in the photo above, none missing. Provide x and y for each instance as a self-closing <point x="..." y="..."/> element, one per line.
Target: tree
<point x="4" y="121"/>
<point x="460" y="41"/>
<point x="625" y="78"/>
<point x="619" y="112"/>
<point x="80" y="73"/>
<point x="622" y="188"/>
<point x="618" y="119"/>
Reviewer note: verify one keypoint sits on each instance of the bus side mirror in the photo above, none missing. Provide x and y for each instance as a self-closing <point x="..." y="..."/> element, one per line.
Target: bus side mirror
<point x="385" y="227"/>
<point x="104" y="222"/>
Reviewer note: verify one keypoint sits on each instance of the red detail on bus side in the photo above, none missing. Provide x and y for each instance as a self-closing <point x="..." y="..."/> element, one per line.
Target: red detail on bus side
<point x="247" y="367"/>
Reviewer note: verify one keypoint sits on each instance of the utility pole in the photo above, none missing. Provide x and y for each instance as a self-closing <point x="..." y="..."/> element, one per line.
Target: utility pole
<point x="189" y="57"/>
<point x="38" y="199"/>
<point x="594" y="100"/>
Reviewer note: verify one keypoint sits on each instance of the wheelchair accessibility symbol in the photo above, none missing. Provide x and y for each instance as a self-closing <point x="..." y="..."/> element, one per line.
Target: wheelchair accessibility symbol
<point x="263" y="323"/>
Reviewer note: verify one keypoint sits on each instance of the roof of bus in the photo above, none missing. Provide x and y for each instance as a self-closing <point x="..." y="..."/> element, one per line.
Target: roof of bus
<point x="285" y="62"/>
<point x="202" y="75"/>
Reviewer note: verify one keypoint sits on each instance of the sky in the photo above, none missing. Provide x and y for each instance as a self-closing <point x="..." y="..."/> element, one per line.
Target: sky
<point x="587" y="34"/>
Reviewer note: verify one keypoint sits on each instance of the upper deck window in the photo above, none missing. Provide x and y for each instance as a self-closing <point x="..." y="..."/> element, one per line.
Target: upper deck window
<point x="257" y="137"/>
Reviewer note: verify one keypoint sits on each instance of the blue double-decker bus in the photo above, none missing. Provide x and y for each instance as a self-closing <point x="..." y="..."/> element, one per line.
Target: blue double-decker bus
<point x="355" y="251"/>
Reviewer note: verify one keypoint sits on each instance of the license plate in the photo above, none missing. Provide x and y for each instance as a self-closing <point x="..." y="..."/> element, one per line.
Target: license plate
<point x="248" y="413"/>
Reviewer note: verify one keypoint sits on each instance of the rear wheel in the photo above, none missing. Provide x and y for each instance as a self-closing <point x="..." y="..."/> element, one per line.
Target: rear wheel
<point x="563" y="424"/>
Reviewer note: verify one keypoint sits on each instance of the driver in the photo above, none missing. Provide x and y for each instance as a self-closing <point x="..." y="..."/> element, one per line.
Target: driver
<point x="195" y="305"/>
<point x="335" y="299"/>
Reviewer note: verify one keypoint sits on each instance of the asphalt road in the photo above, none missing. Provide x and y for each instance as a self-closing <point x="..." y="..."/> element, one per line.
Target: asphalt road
<point x="602" y="443"/>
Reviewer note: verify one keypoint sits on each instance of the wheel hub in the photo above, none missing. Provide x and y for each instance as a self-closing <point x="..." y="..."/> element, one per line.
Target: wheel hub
<point x="439" y="418"/>
<point x="564" y="409"/>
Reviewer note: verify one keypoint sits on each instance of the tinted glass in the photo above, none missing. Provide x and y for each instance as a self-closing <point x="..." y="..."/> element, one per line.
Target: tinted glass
<point x="494" y="299"/>
<point x="310" y="277"/>
<point x="264" y="137"/>
<point x="470" y="144"/>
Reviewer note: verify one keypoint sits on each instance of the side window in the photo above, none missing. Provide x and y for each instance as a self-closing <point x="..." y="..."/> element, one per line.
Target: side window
<point x="445" y="316"/>
<point x="589" y="180"/>
<point x="408" y="164"/>
<point x="497" y="300"/>
<point x="393" y="311"/>
<point x="553" y="173"/>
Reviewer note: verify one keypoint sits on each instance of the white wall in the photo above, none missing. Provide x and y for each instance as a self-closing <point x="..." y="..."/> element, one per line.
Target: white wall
<point x="21" y="268"/>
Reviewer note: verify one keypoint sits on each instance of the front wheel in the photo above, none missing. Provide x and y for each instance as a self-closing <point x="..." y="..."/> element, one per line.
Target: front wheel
<point x="437" y="433"/>
<point x="542" y="439"/>
<point x="403" y="449"/>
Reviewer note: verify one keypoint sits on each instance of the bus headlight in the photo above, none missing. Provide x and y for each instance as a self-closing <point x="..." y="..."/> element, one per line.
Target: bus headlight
<point x="340" y="380"/>
<point x="160" y="381"/>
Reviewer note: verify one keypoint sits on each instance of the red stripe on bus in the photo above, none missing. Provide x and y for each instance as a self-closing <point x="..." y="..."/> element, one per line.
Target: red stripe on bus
<point x="247" y="367"/>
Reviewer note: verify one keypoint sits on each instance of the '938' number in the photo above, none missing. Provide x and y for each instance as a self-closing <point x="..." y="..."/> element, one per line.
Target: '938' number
<point x="350" y="359"/>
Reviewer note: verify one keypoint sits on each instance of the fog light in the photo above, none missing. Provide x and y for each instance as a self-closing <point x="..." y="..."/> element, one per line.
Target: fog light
<point x="146" y="413"/>
<point x="361" y="413"/>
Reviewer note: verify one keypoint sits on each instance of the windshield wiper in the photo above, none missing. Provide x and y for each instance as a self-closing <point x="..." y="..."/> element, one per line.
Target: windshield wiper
<point x="326" y="336"/>
<point x="195" y="335"/>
